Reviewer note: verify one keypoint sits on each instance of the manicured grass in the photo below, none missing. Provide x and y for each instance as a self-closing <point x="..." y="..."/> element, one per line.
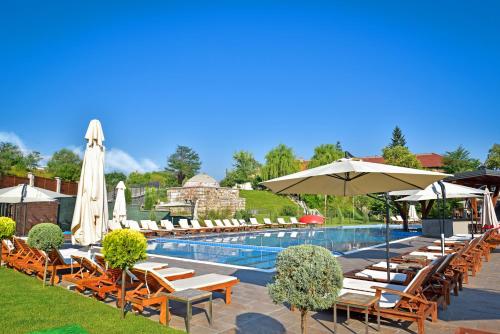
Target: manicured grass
<point x="27" y="307"/>
<point x="265" y="201"/>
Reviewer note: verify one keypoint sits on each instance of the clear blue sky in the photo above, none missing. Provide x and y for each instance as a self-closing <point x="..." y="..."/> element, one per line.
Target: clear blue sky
<point x="225" y="76"/>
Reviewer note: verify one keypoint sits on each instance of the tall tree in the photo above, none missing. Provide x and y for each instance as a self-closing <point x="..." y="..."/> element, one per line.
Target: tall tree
<point x="10" y="156"/>
<point x="183" y="163"/>
<point x="245" y="169"/>
<point x="279" y="161"/>
<point x="459" y="160"/>
<point x="13" y="159"/>
<point x="400" y="156"/>
<point x="113" y="178"/>
<point x="398" y="139"/>
<point x="325" y="154"/>
<point x="493" y="160"/>
<point x="65" y="164"/>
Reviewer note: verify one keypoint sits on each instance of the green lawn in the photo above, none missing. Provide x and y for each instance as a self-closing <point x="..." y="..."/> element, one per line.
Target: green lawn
<point x="265" y="201"/>
<point x="26" y="307"/>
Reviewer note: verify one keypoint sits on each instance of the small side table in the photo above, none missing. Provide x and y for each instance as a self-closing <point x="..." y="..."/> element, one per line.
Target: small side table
<point x="359" y="301"/>
<point x="189" y="297"/>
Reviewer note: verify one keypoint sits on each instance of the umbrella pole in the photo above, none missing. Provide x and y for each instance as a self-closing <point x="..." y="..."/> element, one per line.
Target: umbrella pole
<point x="387" y="215"/>
<point x="472" y="227"/>
<point x="443" y="211"/>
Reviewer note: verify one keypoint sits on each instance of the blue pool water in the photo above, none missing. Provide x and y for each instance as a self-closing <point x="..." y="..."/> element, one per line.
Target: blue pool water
<point x="259" y="249"/>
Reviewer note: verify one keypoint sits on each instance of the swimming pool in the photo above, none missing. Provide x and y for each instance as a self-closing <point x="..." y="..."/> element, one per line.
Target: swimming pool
<point x="258" y="249"/>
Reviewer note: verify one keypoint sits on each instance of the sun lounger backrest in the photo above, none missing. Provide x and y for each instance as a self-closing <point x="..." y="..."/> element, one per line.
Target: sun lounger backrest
<point x="152" y="280"/>
<point x="152" y="225"/>
<point x="227" y="223"/>
<point x="208" y="223"/>
<point x="195" y="223"/>
<point x="254" y="221"/>
<point x="184" y="224"/>
<point x="7" y="245"/>
<point x="419" y="279"/>
<point x="219" y="223"/>
<point x="133" y="225"/>
<point x="235" y="222"/>
<point x="445" y="263"/>
<point x="267" y="221"/>
<point x="281" y="220"/>
<point x="114" y="225"/>
<point x="294" y="220"/>
<point x="145" y="223"/>
<point x="243" y="222"/>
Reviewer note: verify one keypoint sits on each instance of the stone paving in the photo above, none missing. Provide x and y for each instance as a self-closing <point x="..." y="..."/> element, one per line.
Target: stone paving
<point x="252" y="311"/>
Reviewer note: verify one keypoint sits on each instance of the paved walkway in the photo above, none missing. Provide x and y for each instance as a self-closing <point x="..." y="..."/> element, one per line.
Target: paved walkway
<point x="252" y="311"/>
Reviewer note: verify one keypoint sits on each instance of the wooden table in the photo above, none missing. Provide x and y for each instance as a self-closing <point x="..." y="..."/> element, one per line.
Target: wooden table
<point x="358" y="301"/>
<point x="189" y="297"/>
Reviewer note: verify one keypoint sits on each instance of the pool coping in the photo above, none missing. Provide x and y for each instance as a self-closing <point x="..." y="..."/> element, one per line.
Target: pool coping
<point x="339" y="254"/>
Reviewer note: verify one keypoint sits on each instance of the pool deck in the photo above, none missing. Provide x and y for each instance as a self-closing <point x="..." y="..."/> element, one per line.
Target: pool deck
<point x="253" y="312"/>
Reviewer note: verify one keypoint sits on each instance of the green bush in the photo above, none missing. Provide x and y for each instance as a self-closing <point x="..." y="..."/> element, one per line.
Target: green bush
<point x="46" y="237"/>
<point x="307" y="277"/>
<point x="243" y="214"/>
<point x="289" y="211"/>
<point x="124" y="248"/>
<point x="7" y="227"/>
<point x="152" y="216"/>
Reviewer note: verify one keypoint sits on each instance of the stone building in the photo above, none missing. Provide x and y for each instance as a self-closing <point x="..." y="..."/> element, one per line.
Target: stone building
<point x="206" y="194"/>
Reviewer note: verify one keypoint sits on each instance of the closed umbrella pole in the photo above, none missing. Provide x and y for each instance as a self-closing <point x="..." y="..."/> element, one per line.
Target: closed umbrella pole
<point x="443" y="197"/>
<point x="387" y="218"/>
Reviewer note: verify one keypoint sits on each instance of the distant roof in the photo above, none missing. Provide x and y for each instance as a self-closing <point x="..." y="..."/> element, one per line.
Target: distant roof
<point x="476" y="178"/>
<point x="428" y="160"/>
<point x="201" y="180"/>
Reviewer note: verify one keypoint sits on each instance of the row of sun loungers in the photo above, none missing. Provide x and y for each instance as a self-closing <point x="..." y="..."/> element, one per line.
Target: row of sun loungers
<point x="147" y="283"/>
<point x="151" y="228"/>
<point x="422" y="280"/>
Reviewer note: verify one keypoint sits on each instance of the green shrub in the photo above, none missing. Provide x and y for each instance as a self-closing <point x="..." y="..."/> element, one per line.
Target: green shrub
<point x="307" y="277"/>
<point x="124" y="248"/>
<point x="152" y="216"/>
<point x="289" y="211"/>
<point x="46" y="237"/>
<point x="7" y="227"/>
<point x="243" y="214"/>
<point x="128" y="196"/>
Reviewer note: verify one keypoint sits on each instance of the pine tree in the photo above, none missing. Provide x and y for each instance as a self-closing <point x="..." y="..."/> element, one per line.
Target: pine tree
<point x="398" y="139"/>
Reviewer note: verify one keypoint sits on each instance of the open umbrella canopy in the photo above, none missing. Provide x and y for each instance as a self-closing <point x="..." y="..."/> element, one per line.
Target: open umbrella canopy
<point x="350" y="177"/>
<point x="433" y="191"/>
<point x="26" y="194"/>
<point x="488" y="215"/>
<point x="120" y="208"/>
<point x="91" y="209"/>
<point x="312" y="219"/>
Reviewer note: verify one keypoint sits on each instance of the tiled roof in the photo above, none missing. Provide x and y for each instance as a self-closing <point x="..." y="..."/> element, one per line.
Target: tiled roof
<point x="428" y="160"/>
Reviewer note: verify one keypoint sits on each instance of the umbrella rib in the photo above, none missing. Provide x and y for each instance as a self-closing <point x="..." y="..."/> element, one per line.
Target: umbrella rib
<point x="397" y="178"/>
<point x="293" y="185"/>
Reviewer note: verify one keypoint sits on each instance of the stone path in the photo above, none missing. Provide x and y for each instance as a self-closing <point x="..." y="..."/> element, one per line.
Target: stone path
<point x="252" y="311"/>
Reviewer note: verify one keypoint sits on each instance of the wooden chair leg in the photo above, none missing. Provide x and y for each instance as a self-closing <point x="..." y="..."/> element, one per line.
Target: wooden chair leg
<point x="228" y="295"/>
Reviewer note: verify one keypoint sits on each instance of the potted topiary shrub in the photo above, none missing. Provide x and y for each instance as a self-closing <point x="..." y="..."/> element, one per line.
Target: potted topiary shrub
<point x="7" y="230"/>
<point x="122" y="249"/>
<point x="308" y="278"/>
<point x="45" y="237"/>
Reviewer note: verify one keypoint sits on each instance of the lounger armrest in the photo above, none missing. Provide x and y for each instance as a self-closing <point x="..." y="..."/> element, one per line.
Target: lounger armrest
<point x="379" y="290"/>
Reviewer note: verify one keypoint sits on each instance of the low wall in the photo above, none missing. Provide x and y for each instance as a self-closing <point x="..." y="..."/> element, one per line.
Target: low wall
<point x="432" y="227"/>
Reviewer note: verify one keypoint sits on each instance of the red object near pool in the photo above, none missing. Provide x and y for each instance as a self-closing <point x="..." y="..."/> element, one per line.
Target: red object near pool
<point x="312" y="219"/>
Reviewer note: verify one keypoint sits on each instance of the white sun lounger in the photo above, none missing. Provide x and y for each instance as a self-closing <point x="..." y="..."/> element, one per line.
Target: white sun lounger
<point x="255" y="222"/>
<point x="438" y="248"/>
<point x="114" y="225"/>
<point x="381" y="275"/>
<point x="170" y="227"/>
<point x="428" y="255"/>
<point x="281" y="221"/>
<point x="268" y="222"/>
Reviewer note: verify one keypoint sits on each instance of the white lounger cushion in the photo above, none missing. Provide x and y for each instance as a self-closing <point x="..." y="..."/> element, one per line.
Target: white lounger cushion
<point x="383" y="265"/>
<point x="387" y="300"/>
<point x="362" y="285"/>
<point x="428" y="255"/>
<point x="438" y="248"/>
<point x="201" y="281"/>
<point x="66" y="254"/>
<point x="173" y="271"/>
<point x="150" y="265"/>
<point x="381" y="275"/>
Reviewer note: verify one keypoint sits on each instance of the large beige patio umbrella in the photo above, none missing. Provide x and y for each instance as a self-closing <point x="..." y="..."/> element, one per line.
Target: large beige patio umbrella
<point x="120" y="208"/>
<point x="488" y="215"/>
<point x="90" y="218"/>
<point x="350" y="177"/>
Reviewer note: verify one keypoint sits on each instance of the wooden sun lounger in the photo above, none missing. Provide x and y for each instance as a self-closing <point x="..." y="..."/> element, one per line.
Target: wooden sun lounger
<point x="210" y="225"/>
<point x="184" y="224"/>
<point x="282" y="222"/>
<point x="255" y="223"/>
<point x="269" y="223"/>
<point x="237" y="224"/>
<point x="228" y="224"/>
<point x="196" y="225"/>
<point x="294" y="221"/>
<point x="161" y="232"/>
<point x="167" y="224"/>
<point x="133" y="225"/>
<point x="401" y="304"/>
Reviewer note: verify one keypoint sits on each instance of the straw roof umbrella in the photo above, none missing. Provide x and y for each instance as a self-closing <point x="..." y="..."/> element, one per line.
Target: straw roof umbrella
<point x="488" y="215"/>
<point x="350" y="177"/>
<point x="120" y="208"/>
<point x="90" y="218"/>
